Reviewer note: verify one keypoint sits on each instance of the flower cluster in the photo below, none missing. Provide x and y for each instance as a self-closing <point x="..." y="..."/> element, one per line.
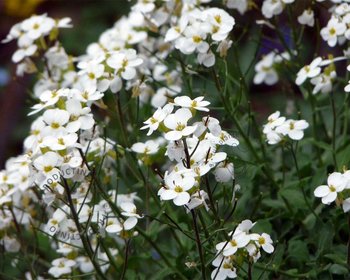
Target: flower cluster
<point x="193" y="147"/>
<point x="84" y="169"/>
<point x="241" y="6"/>
<point x="337" y="30"/>
<point x="278" y="127"/>
<point x="196" y="30"/>
<point x="307" y="18"/>
<point x="337" y="189"/>
<point x="322" y="80"/>
<point x="30" y="35"/>
<point x="63" y="149"/>
<point x="241" y="243"/>
<point x="272" y="8"/>
<point x="265" y="69"/>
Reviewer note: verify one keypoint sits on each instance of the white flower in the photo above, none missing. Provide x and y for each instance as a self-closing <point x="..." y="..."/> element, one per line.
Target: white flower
<point x="237" y="241"/>
<point x="221" y="23"/>
<point x="51" y="97"/>
<point x="273" y="121"/>
<point x="60" y="142"/>
<point x="207" y="59"/>
<point x="335" y="184"/>
<point x="177" y="123"/>
<point x="245" y="226"/>
<point x="124" y="63"/>
<point x="47" y="163"/>
<point x="176" y="188"/>
<point x="224" y="268"/>
<point x="159" y="115"/>
<point x="334" y="28"/>
<point x="294" y="129"/>
<point x="346" y="205"/>
<point x="10" y="244"/>
<point x="85" y="265"/>
<point x="309" y="71"/>
<point x="26" y="49"/>
<point x="265" y="72"/>
<point x="148" y="148"/>
<point x="175" y="32"/>
<point x="240" y="5"/>
<point x="61" y="266"/>
<point x="273" y="137"/>
<point x="129" y="210"/>
<point x="144" y="6"/>
<point x="15" y="32"/>
<point x="264" y="240"/>
<point x="37" y="26"/>
<point x="198" y="199"/>
<point x="198" y="103"/>
<point x="323" y="82"/>
<point x="224" y="172"/>
<point x="223" y="47"/>
<point x="55" y="119"/>
<point x="224" y="138"/>
<point x="307" y="18"/>
<point x="271" y="8"/>
<point x="194" y="40"/>
<point x="161" y="96"/>
<point x="80" y="117"/>
<point x="92" y="68"/>
<point x="113" y="225"/>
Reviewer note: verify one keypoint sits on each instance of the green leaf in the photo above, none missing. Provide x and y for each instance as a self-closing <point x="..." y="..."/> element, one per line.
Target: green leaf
<point x="298" y="250"/>
<point x="325" y="236"/>
<point x="338" y="269"/>
<point x="295" y="196"/>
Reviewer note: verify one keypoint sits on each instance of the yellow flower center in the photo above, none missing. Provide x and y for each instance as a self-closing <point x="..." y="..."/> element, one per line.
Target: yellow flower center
<point x="215" y="29"/>
<point x="48" y="168"/>
<point x="180" y="127"/>
<point x="125" y="63"/>
<point x="196" y="39"/>
<point x="55" y="125"/>
<point x="261" y="240"/>
<point x="217" y="18"/>
<point x="60" y="141"/>
<point x="91" y="76"/>
<point x="227" y="266"/>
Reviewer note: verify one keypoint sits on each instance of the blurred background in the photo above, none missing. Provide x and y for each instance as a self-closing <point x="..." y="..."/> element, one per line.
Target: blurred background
<point x="89" y="17"/>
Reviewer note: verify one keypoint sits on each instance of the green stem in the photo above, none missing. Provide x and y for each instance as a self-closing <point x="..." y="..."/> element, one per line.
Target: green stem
<point x="334" y="128"/>
<point x="199" y="244"/>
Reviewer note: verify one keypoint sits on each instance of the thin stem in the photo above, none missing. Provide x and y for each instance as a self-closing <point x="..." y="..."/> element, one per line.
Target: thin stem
<point x="334" y="131"/>
<point x="211" y="199"/>
<point x="206" y="233"/>
<point x="249" y="270"/>
<point x="188" y="158"/>
<point x="301" y="184"/>
<point x="127" y="243"/>
<point x="348" y="260"/>
<point x="199" y="244"/>
<point x="85" y="241"/>
<point x="161" y="254"/>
